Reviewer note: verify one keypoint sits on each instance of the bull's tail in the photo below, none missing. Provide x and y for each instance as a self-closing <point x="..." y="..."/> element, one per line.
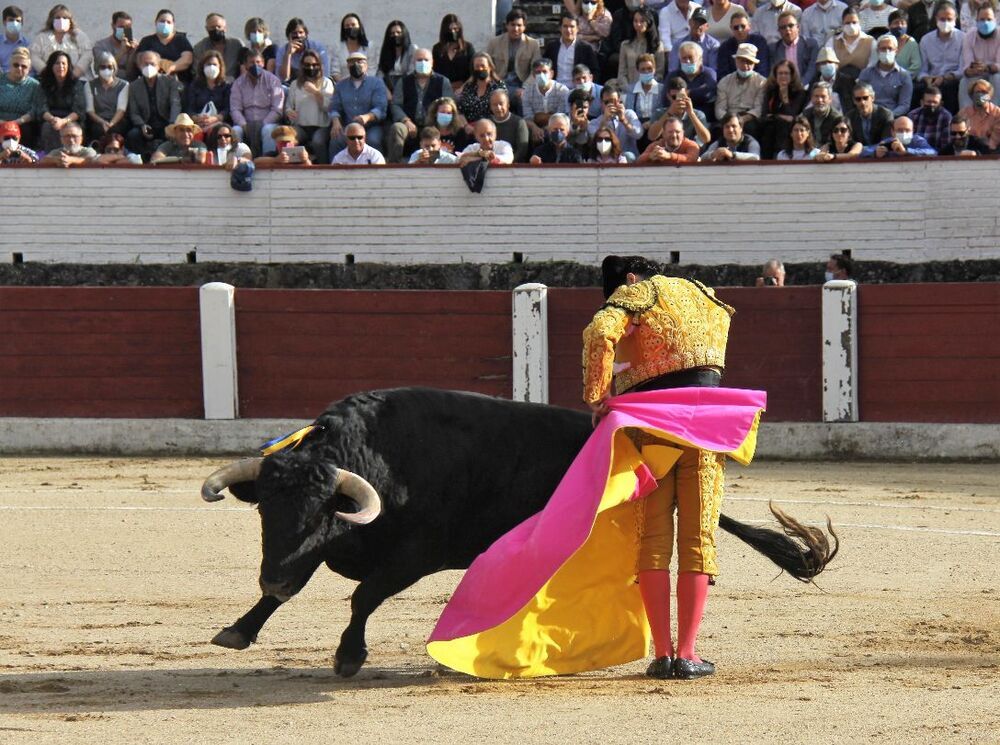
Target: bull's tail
<point x="801" y="550"/>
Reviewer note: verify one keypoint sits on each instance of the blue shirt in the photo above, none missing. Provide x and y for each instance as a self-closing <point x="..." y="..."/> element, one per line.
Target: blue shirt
<point x="918" y="146"/>
<point x="940" y="57"/>
<point x="892" y="89"/>
<point x="7" y="48"/>
<point x="311" y="46"/>
<point x="350" y="100"/>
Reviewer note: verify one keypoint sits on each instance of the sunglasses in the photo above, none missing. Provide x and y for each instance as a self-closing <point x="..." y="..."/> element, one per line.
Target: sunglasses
<point x="841" y="129"/>
<point x="105" y="67"/>
<point x="603" y="139"/>
<point x="742" y="27"/>
<point x="356" y="138"/>
<point x="959" y="134"/>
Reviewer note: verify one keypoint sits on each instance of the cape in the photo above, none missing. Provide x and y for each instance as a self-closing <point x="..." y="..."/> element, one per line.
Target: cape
<point x="558" y="594"/>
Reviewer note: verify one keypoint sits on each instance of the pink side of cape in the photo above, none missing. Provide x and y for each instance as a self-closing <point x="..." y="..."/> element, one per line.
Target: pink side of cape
<point x="510" y="572"/>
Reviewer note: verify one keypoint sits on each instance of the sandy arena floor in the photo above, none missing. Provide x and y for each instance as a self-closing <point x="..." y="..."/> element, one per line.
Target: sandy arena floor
<point x="115" y="575"/>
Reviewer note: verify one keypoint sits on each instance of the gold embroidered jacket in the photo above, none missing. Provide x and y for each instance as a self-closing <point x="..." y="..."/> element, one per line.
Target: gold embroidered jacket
<point x="654" y="327"/>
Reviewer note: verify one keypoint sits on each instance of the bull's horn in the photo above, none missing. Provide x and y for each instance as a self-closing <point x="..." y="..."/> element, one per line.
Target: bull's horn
<point x="242" y="470"/>
<point x="353" y="486"/>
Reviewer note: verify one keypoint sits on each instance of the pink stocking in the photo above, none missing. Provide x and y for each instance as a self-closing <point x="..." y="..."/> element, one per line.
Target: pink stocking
<point x="692" y="594"/>
<point x="654" y="584"/>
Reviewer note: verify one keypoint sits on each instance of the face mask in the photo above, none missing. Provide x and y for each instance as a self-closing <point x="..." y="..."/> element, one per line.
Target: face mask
<point x="211" y="71"/>
<point x="986" y="27"/>
<point x="946" y="27"/>
<point x="744" y="73"/>
<point x="930" y="110"/>
<point x="875" y="3"/>
<point x="256" y="70"/>
<point x="453" y="35"/>
<point x="356" y="72"/>
<point x="60" y="24"/>
<point x="13" y="27"/>
<point x="482" y="74"/>
<point x="589" y="8"/>
<point x="828" y="276"/>
<point x="899" y="32"/>
<point x="164" y="29"/>
<point x="604" y="147"/>
<point x="982" y="98"/>
<point x="887" y="58"/>
<point x="443" y="120"/>
<point x="311" y="72"/>
<point x="542" y="79"/>
<point x="828" y="70"/>
<point x="9" y="144"/>
<point x="557" y="136"/>
<point x="777" y="3"/>
<point x="353" y="33"/>
<point x="646" y="78"/>
<point x="397" y="40"/>
<point x="633" y="4"/>
<point x="119" y="33"/>
<point x="852" y="29"/>
<point x="257" y="37"/>
<point x="216" y="35"/>
<point x="149" y="71"/>
<point x="422" y="66"/>
<point x="588" y="86"/>
<point x="689" y="68"/>
<point x="905" y="137"/>
<point x="106" y="74"/>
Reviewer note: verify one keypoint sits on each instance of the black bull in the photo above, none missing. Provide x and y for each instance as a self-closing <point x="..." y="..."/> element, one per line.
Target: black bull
<point x="452" y="471"/>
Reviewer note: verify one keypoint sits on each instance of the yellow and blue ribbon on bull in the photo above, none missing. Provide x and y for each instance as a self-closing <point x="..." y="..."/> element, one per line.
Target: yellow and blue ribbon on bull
<point x="289" y="441"/>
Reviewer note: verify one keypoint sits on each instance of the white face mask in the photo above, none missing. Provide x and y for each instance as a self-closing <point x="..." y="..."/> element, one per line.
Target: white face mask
<point x="852" y="29"/>
<point x="604" y="147"/>
<point x="946" y="27"/>
<point x="149" y="71"/>
<point x="9" y="144"/>
<point x="828" y="276"/>
<point x="60" y="24"/>
<point x="887" y="57"/>
<point x="106" y="74"/>
<point x="211" y="71"/>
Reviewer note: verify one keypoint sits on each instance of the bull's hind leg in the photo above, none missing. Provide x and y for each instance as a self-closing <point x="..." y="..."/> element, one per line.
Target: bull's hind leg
<point x="244" y="632"/>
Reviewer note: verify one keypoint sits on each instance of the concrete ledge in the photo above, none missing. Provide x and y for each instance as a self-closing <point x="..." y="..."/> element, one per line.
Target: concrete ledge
<point x="778" y="441"/>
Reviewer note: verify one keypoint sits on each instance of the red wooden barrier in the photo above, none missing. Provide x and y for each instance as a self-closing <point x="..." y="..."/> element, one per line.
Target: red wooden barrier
<point x="774" y="345"/>
<point x="100" y="352"/>
<point x="930" y="352"/>
<point x="299" y="350"/>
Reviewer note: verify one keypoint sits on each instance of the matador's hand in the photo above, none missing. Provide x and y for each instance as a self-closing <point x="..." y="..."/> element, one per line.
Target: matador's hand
<point x="599" y="411"/>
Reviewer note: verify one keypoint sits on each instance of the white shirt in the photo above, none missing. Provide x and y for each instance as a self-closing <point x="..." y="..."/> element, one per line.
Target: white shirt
<point x="821" y="25"/>
<point x="765" y="20"/>
<point x="674" y="24"/>
<point x="564" y="63"/>
<point x="501" y="149"/>
<point x="367" y="156"/>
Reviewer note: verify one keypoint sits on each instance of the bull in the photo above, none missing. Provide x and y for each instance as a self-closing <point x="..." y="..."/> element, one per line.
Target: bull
<point x="446" y="474"/>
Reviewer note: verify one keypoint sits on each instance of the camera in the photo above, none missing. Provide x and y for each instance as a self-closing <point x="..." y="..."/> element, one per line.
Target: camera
<point x="770" y="282"/>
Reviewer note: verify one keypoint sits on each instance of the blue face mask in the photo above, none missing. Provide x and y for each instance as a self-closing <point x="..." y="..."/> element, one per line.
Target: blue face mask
<point x="828" y="70"/>
<point x="542" y="79"/>
<point x="443" y="120"/>
<point x="557" y="136"/>
<point x="986" y="27"/>
<point x="588" y="86"/>
<point x="257" y="70"/>
<point x="13" y="28"/>
<point x="422" y="67"/>
<point x="689" y="68"/>
<point x="744" y="73"/>
<point x="163" y="28"/>
<point x="646" y="77"/>
<point x="898" y="32"/>
<point x="119" y="33"/>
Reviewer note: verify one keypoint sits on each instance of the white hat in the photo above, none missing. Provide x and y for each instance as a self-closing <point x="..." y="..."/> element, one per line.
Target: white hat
<point x="747" y="51"/>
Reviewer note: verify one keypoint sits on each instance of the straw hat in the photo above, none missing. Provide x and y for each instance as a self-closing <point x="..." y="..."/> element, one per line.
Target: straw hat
<point x="184" y="121"/>
<point x="747" y="51"/>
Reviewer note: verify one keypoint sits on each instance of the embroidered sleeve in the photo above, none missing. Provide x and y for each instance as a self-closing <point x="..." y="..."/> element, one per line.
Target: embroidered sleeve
<point x="599" y="340"/>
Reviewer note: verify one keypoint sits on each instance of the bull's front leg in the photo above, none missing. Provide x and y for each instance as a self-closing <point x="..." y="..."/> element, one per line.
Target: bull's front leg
<point x="244" y="632"/>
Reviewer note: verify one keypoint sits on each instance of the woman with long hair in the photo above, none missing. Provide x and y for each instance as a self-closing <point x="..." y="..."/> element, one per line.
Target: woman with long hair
<point x="307" y="106"/>
<point x="61" y="34"/>
<point x="604" y="147"/>
<point x="784" y="99"/>
<point x="395" y="59"/>
<point x="842" y="145"/>
<point x="800" y="144"/>
<point x="453" y="54"/>
<point x="444" y="115"/>
<point x="206" y="98"/>
<point x="644" y="38"/>
<point x="474" y="103"/>
<point x="59" y="99"/>
<point x="352" y="39"/>
<point x="288" y="58"/>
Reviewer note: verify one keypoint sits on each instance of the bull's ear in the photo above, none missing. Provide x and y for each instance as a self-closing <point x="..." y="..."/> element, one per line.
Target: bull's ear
<point x="245" y="491"/>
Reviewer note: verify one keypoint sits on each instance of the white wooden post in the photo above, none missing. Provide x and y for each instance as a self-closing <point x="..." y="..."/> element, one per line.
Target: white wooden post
<point x="218" y="350"/>
<point x="840" y="351"/>
<point x="531" y="343"/>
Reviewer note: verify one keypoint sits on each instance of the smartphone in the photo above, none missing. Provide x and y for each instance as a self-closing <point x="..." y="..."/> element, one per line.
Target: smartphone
<point x="128" y="33"/>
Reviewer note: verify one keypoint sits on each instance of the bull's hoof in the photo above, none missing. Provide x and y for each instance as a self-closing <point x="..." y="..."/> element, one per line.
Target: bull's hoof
<point x="232" y="638"/>
<point x="348" y="668"/>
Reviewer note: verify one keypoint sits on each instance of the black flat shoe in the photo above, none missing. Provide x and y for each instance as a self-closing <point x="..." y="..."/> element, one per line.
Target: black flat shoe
<point x="689" y="669"/>
<point x="661" y="667"/>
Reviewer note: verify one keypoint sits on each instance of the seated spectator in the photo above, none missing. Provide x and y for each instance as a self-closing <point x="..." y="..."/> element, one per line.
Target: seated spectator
<point x="12" y="152"/>
<point x="12" y="38"/>
<point x="625" y="123"/>
<point x="903" y="143"/>
<point x="853" y="47"/>
<point x="453" y="55"/>
<point x="891" y="83"/>
<point x="543" y="97"/>
<point x="742" y="31"/>
<point x="720" y="13"/>
<point x="698" y="34"/>
<point x="644" y="39"/>
<point x="908" y="55"/>
<point x="18" y="94"/>
<point x="983" y="115"/>
<point x="258" y="37"/>
<point x="556" y="148"/>
<point x="59" y="99"/>
<point x="451" y="124"/>
<point x="569" y="50"/>
<point x="580" y="106"/>
<point x="353" y="38"/>
<point x="397" y="56"/>
<point x="154" y="101"/>
<point x="119" y="45"/>
<point x="510" y="127"/>
<point x="207" y="97"/>
<point x="181" y="143"/>
<point x="742" y="92"/>
<point x="962" y="143"/>
<point x="839" y="266"/>
<point x="941" y="55"/>
<point x="583" y="80"/>
<point x="827" y="71"/>
<point x="487" y="147"/>
<point x="673" y="21"/>
<point x="841" y="145"/>
<point x="474" y="101"/>
<point x="106" y="100"/>
<point x="61" y="34"/>
<point x="284" y="140"/>
<point x="682" y="107"/>
<point x="225" y="47"/>
<point x="931" y="121"/>
<point x="605" y="148"/>
<point x="430" y="152"/>
<point x="784" y="100"/>
<point x="672" y="147"/>
<point x="765" y="19"/>
<point x="307" y="106"/>
<point x="593" y="21"/>
<point x="362" y="99"/>
<point x="111" y="150"/>
<point x="176" y="53"/>
<point x="514" y="53"/>
<point x="772" y="274"/>
<point x="256" y="102"/>
<point x="800" y="145"/>
<point x="821" y="22"/>
<point x="702" y="85"/>
<point x="224" y="148"/>
<point x="820" y="113"/>
<point x="411" y="104"/>
<point x="870" y="123"/>
<point x="288" y="57"/>
<point x="980" y="52"/>
<point x="648" y="95"/>
<point x="72" y="151"/>
<point x="792" y="47"/>
<point x="874" y="17"/>
<point x="734" y="143"/>
<point x="357" y="152"/>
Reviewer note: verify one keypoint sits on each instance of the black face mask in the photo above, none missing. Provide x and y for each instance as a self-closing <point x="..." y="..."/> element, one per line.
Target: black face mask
<point x="356" y="72"/>
<point x="397" y="40"/>
<point x="482" y="74"/>
<point x="216" y="35"/>
<point x="353" y="33"/>
<point x="311" y="71"/>
<point x="453" y="35"/>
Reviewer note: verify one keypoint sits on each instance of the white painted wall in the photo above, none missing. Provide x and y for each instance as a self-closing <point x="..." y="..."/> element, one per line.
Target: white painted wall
<point x="903" y="212"/>
<point x="423" y="18"/>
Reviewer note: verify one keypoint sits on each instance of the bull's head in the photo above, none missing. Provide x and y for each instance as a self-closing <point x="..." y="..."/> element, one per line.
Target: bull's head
<point x="304" y="504"/>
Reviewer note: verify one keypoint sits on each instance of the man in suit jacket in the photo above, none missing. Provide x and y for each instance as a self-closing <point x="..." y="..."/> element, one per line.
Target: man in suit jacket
<point x="870" y="123"/>
<point x="567" y="51"/>
<point x="154" y="101"/>
<point x="420" y="89"/>
<point x="742" y="29"/>
<point x="802" y="50"/>
<point x="526" y="52"/>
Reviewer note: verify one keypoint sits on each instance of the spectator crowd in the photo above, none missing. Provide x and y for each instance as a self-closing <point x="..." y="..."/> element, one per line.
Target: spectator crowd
<point x="625" y="81"/>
